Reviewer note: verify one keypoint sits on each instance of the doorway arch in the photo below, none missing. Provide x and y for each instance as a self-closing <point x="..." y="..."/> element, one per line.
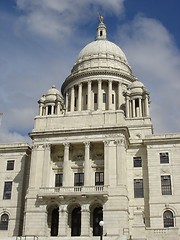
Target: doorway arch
<point x="76" y="222"/>
<point x="97" y="217"/>
<point x="54" y="221"/>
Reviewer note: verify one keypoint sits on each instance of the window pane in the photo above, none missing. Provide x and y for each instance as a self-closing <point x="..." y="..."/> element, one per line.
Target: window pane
<point x="166" y="185"/>
<point x="58" y="180"/>
<point x="78" y="179"/>
<point x="4" y="222"/>
<point x="137" y="161"/>
<point x="99" y="178"/>
<point x="10" y="165"/>
<point x="7" y="190"/>
<point x="138" y="188"/>
<point x="104" y="97"/>
<point x="164" y="157"/>
<point x="168" y="219"/>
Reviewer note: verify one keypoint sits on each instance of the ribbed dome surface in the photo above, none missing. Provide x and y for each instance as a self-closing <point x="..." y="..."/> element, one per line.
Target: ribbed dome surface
<point x="101" y="54"/>
<point x="101" y="47"/>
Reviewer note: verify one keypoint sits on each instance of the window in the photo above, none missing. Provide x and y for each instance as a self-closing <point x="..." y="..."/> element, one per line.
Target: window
<point x="86" y="98"/>
<point x="137" y="161"/>
<point x="99" y="178"/>
<point x="78" y="179"/>
<point x="58" y="180"/>
<point x="168" y="219"/>
<point x="101" y="33"/>
<point x="112" y="98"/>
<point x="4" y="222"/>
<point x="10" y="165"/>
<point x="95" y="98"/>
<point x="104" y="97"/>
<point x="166" y="185"/>
<point x="138" y="188"/>
<point x="7" y="190"/>
<point x="164" y="157"/>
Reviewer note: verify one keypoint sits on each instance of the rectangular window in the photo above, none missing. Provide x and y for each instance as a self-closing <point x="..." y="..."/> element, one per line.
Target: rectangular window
<point x="99" y="178"/>
<point x="10" y="165"/>
<point x="137" y="161"/>
<point x="138" y="188"/>
<point x="7" y="190"/>
<point x="104" y="97"/>
<point x="78" y="179"/>
<point x="95" y="98"/>
<point x="112" y="98"/>
<point x="49" y="110"/>
<point x="58" y="180"/>
<point x="164" y="157"/>
<point x="166" y="185"/>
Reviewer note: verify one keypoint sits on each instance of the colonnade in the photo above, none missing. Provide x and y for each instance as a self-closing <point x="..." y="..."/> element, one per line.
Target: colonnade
<point x="43" y="154"/>
<point x="137" y="106"/>
<point x="83" y="96"/>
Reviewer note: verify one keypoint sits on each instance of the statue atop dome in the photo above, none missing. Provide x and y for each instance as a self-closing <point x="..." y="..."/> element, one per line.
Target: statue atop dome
<point x="101" y="18"/>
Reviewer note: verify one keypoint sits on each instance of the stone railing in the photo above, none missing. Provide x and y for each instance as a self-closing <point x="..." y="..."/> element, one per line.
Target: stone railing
<point x="76" y="190"/>
<point x="162" y="231"/>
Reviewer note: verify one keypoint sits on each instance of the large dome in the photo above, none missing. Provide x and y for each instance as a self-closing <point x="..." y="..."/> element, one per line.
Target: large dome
<point x="101" y="54"/>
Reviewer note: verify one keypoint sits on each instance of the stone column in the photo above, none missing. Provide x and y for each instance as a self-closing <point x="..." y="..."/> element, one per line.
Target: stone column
<point x="58" y="108"/>
<point x="41" y="109"/>
<point x="72" y="100"/>
<point x="133" y="108"/>
<point x="119" y="95"/>
<point x="106" y="162"/>
<point x="146" y="106"/>
<point x="80" y="97"/>
<point x="110" y="95"/>
<point x="46" y="164"/>
<point x="87" y="164"/>
<point x="33" y="168"/>
<point x="46" y="110"/>
<point x="140" y="107"/>
<point x="66" y="165"/>
<point x="63" y="221"/>
<point x="67" y="101"/>
<point x="99" y="94"/>
<point x="52" y="109"/>
<point x="89" y="96"/>
<point x="85" y="220"/>
<point x="121" y="161"/>
<point x="127" y="107"/>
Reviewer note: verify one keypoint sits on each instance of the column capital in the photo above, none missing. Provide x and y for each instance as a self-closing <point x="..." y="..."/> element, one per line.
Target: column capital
<point x="66" y="145"/>
<point x="47" y="146"/>
<point x="87" y="144"/>
<point x="106" y="142"/>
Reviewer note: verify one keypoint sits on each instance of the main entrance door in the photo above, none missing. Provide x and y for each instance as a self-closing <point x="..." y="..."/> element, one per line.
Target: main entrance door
<point x="97" y="217"/>
<point x="54" y="222"/>
<point x="76" y="222"/>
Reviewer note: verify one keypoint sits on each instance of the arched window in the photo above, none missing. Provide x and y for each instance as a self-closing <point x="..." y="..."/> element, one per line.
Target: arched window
<point x="168" y="219"/>
<point x="76" y="222"/>
<point x="4" y="222"/>
<point x="97" y="217"/>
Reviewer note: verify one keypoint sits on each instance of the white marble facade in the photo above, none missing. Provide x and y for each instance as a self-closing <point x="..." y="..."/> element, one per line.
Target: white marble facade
<point x="93" y="157"/>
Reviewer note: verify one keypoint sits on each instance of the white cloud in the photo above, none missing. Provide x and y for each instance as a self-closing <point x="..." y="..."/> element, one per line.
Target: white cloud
<point x="155" y="59"/>
<point x="58" y="19"/>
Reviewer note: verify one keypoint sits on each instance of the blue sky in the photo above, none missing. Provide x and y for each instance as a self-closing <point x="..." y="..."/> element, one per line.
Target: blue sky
<point x="40" y="40"/>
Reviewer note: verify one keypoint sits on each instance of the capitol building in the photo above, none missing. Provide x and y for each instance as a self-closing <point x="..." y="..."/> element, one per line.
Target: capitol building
<point x="93" y="158"/>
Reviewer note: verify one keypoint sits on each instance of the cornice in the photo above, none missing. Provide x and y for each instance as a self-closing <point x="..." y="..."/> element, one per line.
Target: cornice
<point x="73" y="77"/>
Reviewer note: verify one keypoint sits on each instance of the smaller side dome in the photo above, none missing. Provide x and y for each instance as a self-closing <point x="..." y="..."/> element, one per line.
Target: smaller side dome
<point x="52" y="94"/>
<point x="136" y="87"/>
